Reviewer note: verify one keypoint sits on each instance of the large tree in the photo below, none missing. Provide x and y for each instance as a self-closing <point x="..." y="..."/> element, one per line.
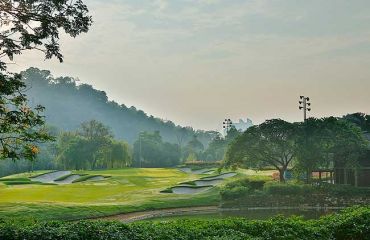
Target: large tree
<point x="272" y="144"/>
<point x="151" y="151"/>
<point x="30" y="25"/>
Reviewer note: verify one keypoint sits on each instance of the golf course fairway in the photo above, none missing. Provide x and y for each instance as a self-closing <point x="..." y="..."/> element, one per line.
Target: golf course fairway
<point x="121" y="191"/>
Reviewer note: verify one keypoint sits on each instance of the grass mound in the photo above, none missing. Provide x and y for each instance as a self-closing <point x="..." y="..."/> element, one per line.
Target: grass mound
<point x="10" y="183"/>
<point x="88" y="177"/>
<point x="15" y="179"/>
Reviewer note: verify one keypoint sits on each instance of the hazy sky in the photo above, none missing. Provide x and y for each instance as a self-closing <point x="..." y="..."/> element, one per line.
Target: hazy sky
<point x="196" y="62"/>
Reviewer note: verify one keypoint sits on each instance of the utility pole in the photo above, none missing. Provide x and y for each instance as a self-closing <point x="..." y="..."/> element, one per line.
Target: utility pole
<point x="227" y="125"/>
<point x="304" y="105"/>
<point x="140" y="149"/>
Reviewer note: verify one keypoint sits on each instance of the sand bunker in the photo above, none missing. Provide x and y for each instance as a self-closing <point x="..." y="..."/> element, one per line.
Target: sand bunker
<point x="189" y="190"/>
<point x="50" y="177"/>
<point x="208" y="182"/>
<point x="69" y="179"/>
<point x="221" y="176"/>
<point x="186" y="170"/>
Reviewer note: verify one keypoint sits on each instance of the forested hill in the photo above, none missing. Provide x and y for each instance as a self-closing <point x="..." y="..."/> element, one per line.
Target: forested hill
<point x="68" y="105"/>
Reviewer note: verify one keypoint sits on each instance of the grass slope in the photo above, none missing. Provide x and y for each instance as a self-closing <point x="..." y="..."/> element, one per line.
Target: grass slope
<point x="127" y="190"/>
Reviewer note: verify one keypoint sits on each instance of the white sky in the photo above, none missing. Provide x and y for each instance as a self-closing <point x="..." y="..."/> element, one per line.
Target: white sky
<point x="196" y="62"/>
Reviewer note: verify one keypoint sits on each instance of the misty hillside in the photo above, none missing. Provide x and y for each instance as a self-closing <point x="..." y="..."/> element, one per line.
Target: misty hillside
<point x="69" y="104"/>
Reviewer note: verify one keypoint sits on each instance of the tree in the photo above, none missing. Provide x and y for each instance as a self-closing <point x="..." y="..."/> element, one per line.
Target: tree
<point x="30" y="25"/>
<point x="312" y="144"/>
<point x="98" y="136"/>
<point x="194" y="146"/>
<point x="217" y="147"/>
<point x="151" y="151"/>
<point x="21" y="127"/>
<point x="328" y="142"/>
<point x="73" y="151"/>
<point x="116" y="154"/>
<point x="360" y="119"/>
<point x="272" y="143"/>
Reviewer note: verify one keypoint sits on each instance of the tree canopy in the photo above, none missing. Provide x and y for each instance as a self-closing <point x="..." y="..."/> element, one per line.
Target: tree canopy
<point x="271" y="143"/>
<point x="92" y="147"/>
<point x="313" y="144"/>
<point x="30" y="25"/>
<point x="151" y="151"/>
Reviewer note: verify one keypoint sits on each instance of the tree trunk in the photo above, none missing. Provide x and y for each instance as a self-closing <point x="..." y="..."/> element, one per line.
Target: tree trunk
<point x="281" y="173"/>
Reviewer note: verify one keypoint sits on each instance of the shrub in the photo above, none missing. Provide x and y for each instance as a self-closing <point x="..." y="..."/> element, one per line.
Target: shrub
<point x="235" y="192"/>
<point x="288" y="189"/>
<point x="351" y="224"/>
<point x="240" y="188"/>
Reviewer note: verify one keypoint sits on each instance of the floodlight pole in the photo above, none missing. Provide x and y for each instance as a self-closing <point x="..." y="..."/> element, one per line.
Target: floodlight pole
<point x="304" y="105"/>
<point x="227" y="124"/>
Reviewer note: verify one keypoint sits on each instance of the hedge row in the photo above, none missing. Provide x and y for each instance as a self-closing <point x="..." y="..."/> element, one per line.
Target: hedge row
<point x="350" y="224"/>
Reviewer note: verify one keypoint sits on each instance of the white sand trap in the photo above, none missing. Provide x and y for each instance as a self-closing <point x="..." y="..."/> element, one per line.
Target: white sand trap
<point x="221" y="176"/>
<point x="96" y="178"/>
<point x="186" y="170"/>
<point x="189" y="190"/>
<point x="69" y="179"/>
<point x="207" y="183"/>
<point x="50" y="177"/>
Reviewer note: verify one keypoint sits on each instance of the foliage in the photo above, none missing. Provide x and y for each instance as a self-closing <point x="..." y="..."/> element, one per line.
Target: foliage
<point x="271" y="143"/>
<point x="241" y="187"/>
<point x="92" y="147"/>
<point x="361" y="120"/>
<point x="217" y="147"/>
<point x="151" y="151"/>
<point x="288" y="189"/>
<point x="21" y="128"/>
<point x="313" y="144"/>
<point x="30" y="25"/>
<point x="350" y="224"/>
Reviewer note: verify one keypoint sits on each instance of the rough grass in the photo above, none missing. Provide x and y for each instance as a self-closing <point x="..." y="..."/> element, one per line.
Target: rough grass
<point x="15" y="179"/>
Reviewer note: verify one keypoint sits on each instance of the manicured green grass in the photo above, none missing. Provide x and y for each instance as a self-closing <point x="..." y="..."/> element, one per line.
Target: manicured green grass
<point x="126" y="190"/>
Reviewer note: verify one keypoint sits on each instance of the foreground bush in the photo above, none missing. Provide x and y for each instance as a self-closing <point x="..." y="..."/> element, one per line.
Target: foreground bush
<point x="240" y="188"/>
<point x="351" y="224"/>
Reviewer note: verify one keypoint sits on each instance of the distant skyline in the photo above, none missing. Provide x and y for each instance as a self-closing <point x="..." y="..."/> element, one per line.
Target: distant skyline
<point x="197" y="62"/>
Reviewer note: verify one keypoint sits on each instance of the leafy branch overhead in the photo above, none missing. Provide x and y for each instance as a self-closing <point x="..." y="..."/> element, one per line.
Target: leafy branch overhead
<point x="30" y="25"/>
<point x="36" y="24"/>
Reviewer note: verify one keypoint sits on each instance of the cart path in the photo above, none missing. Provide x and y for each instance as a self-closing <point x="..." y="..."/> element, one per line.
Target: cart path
<point x="136" y="216"/>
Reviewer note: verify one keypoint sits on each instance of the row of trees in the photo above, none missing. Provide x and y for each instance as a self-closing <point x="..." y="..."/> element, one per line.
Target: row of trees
<point x="316" y="143"/>
<point x="92" y="147"/>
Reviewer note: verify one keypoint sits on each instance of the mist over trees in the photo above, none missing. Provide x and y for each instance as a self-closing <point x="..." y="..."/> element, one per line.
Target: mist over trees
<point x="68" y="104"/>
<point x="151" y="151"/>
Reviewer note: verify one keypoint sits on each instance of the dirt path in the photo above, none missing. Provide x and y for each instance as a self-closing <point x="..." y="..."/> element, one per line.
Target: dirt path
<point x="135" y="216"/>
